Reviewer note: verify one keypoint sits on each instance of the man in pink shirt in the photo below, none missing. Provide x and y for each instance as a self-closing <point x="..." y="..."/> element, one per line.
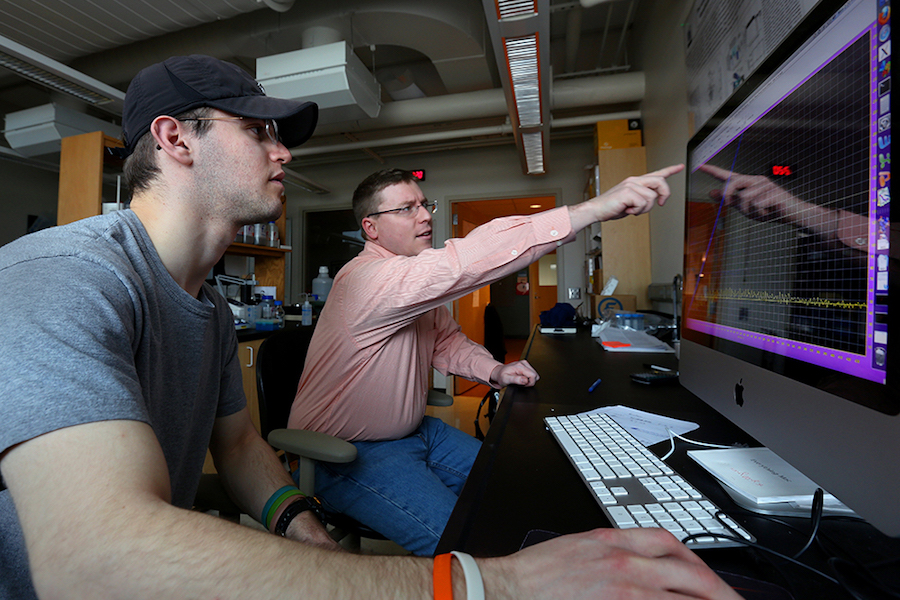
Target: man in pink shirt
<point x="385" y="325"/>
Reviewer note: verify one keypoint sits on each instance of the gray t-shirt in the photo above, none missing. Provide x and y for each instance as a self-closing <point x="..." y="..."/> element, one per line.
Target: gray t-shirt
<point x="93" y="328"/>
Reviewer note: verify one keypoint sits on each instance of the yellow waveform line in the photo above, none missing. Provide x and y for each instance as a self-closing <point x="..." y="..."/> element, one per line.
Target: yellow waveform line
<point x="781" y="298"/>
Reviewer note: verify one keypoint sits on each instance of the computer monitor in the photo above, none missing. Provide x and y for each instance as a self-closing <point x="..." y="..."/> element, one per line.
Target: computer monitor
<point x="789" y="327"/>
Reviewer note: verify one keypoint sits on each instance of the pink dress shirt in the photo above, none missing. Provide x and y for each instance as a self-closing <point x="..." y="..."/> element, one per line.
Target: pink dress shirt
<point x="385" y="324"/>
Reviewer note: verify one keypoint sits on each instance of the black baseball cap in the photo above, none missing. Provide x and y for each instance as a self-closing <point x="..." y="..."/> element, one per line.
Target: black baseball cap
<point x="181" y="83"/>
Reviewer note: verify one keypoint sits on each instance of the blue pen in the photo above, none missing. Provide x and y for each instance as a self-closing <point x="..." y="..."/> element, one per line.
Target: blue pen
<point x="593" y="386"/>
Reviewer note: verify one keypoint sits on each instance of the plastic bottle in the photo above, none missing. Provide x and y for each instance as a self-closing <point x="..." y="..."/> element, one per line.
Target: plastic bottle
<point x="267" y="307"/>
<point x="272" y="235"/>
<point x="322" y="284"/>
<point x="306" y="312"/>
<point x="252" y="312"/>
<point x="279" y="314"/>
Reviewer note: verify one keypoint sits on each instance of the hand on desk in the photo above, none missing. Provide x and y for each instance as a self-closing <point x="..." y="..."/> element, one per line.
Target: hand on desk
<point x="610" y="564"/>
<point x="514" y="373"/>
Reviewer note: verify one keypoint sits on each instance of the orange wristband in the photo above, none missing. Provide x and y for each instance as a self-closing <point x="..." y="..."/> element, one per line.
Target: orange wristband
<point x="443" y="579"/>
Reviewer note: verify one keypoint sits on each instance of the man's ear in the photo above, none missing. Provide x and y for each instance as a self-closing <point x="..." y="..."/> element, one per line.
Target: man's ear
<point x="169" y="134"/>
<point x="370" y="228"/>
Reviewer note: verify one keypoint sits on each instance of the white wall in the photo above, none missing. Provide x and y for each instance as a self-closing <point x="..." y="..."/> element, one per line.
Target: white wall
<point x="666" y="129"/>
<point x="471" y="174"/>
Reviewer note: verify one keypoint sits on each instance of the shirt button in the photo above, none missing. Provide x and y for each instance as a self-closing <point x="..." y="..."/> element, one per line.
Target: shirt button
<point x="554" y="233"/>
<point x="515" y="252"/>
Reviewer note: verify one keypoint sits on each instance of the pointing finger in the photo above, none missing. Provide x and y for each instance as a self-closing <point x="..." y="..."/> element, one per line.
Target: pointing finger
<point x="667" y="171"/>
<point x="717" y="172"/>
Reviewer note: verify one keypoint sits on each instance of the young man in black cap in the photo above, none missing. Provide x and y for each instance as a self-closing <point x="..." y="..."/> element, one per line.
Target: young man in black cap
<point x="118" y="368"/>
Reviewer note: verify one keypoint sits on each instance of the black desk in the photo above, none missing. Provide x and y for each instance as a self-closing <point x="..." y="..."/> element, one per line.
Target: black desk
<point x="522" y="481"/>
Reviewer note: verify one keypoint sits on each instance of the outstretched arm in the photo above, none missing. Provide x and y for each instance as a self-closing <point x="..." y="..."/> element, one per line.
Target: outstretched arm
<point x="93" y="503"/>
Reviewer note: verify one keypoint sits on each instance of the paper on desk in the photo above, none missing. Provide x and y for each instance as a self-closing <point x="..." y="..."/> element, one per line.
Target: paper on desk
<point x="648" y="428"/>
<point x="628" y="340"/>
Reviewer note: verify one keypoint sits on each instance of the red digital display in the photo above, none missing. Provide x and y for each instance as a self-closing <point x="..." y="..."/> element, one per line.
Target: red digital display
<point x="418" y="174"/>
<point x="782" y="170"/>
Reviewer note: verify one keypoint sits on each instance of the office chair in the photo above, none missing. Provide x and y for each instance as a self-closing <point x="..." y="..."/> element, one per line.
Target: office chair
<point x="279" y="365"/>
<point x="278" y="370"/>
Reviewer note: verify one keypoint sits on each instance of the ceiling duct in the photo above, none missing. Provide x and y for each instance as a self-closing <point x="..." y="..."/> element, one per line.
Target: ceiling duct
<point x="39" y="130"/>
<point x="330" y="75"/>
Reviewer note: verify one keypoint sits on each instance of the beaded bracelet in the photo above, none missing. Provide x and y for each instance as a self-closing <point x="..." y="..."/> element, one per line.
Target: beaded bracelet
<point x="275" y="501"/>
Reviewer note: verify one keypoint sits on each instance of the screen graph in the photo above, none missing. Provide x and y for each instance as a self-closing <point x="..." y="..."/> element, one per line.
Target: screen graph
<point x="782" y="221"/>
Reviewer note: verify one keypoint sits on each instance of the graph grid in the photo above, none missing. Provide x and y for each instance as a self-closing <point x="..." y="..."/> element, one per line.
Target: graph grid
<point x="786" y="244"/>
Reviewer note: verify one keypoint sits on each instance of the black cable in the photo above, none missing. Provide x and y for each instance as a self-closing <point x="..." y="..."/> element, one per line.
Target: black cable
<point x="755" y="546"/>
<point x="816" y="517"/>
<point x="853" y="567"/>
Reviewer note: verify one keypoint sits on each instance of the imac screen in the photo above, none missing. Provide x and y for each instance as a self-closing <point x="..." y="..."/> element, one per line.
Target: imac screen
<point x="790" y="328"/>
<point x="788" y="239"/>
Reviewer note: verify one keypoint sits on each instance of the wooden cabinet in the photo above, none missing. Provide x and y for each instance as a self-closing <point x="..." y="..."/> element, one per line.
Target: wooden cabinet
<point x="81" y="161"/>
<point x="247" y="353"/>
<point x="623" y="244"/>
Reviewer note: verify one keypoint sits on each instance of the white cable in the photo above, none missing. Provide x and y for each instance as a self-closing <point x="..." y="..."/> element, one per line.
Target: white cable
<point x="474" y="583"/>
<point x="673" y="435"/>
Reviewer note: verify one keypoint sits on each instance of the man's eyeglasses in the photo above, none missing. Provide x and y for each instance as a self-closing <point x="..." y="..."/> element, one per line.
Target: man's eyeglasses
<point x="410" y="210"/>
<point x="271" y="127"/>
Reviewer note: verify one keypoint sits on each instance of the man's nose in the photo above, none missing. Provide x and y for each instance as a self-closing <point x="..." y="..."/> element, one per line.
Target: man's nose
<point x="281" y="154"/>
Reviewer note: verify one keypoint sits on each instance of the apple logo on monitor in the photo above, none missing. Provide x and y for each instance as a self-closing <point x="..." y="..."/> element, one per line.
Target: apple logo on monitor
<point x="739" y="393"/>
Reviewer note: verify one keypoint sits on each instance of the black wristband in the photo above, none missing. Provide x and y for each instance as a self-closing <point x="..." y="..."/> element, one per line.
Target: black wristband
<point x="298" y="507"/>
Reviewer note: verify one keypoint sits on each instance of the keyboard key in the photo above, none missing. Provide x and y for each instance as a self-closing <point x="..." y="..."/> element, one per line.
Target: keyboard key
<point x="620" y="515"/>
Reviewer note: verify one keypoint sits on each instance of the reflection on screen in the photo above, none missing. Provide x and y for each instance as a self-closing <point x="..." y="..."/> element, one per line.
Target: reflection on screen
<point x="787" y="251"/>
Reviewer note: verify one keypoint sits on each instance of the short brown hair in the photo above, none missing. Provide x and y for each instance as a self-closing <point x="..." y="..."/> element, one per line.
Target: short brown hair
<point x="140" y="167"/>
<point x="366" y="197"/>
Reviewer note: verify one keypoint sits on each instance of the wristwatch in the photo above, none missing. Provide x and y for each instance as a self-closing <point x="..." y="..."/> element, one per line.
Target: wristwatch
<point x="298" y="507"/>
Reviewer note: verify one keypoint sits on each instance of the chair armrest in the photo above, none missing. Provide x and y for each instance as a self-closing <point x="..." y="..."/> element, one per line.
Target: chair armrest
<point x="314" y="445"/>
<point x="437" y="398"/>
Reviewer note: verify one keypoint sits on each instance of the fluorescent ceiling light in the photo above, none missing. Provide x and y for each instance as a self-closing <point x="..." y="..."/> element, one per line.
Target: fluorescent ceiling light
<point x="533" y="144"/>
<point x="518" y="28"/>
<point x="524" y="72"/>
<point x="507" y="9"/>
<point x="57" y="76"/>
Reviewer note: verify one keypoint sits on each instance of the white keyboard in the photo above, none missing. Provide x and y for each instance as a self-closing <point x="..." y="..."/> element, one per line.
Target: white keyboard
<point x="634" y="487"/>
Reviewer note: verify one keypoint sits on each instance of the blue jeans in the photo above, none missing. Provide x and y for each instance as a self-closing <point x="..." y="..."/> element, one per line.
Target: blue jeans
<point x="404" y="489"/>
